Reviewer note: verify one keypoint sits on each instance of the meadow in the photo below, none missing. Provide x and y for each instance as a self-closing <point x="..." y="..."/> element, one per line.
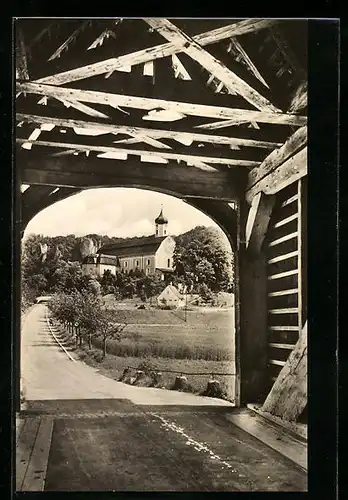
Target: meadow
<point x="205" y="335"/>
<point x="200" y="348"/>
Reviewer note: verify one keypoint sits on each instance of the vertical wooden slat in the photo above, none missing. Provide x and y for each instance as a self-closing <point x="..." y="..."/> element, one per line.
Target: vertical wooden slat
<point x="304" y="248"/>
<point x="276" y="256"/>
<point x="299" y="246"/>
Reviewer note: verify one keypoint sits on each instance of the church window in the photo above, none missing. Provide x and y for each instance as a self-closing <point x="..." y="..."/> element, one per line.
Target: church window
<point x="148" y="262"/>
<point x="168" y="262"/>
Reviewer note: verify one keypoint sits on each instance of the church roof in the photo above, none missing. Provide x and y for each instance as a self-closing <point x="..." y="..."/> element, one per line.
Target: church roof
<point x="89" y="259"/>
<point x="137" y="246"/>
<point x="161" y="219"/>
<point x="110" y="260"/>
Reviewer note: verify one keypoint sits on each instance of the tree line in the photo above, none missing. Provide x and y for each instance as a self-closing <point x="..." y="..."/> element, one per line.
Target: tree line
<point x="82" y="314"/>
<point x="202" y="262"/>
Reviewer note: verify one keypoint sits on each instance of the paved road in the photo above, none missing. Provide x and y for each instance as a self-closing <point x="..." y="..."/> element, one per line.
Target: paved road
<point x="108" y="436"/>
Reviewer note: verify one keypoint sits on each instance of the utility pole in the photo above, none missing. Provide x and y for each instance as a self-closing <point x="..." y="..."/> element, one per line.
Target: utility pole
<point x="186" y="304"/>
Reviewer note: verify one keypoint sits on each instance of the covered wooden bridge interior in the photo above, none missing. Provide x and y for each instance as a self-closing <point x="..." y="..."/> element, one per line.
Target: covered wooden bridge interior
<point x="212" y="111"/>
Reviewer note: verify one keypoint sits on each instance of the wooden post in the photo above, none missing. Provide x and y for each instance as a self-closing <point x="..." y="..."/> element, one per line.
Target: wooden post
<point x="288" y="396"/>
<point x="251" y="317"/>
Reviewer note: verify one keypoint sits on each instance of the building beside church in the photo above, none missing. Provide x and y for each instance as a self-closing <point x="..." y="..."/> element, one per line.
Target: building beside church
<point x="97" y="264"/>
<point x="148" y="254"/>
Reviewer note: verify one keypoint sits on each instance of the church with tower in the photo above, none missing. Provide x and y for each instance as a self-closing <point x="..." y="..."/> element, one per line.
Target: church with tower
<point x="148" y="254"/>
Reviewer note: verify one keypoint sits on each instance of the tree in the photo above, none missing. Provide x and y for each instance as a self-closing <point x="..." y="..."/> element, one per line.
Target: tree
<point x="94" y="287"/>
<point x="202" y="256"/>
<point x="90" y="308"/>
<point x="205" y="293"/>
<point x="108" y="282"/>
<point x="107" y="327"/>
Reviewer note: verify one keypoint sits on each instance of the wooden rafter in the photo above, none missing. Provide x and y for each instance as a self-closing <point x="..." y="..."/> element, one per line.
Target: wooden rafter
<point x="294" y="144"/>
<point x="237" y="47"/>
<point x="156" y="52"/>
<point x="151" y="104"/>
<point x="288" y="172"/>
<point x="70" y="40"/>
<point x="187" y="137"/>
<point x="231" y="81"/>
<point x="179" y="69"/>
<point x="87" y="110"/>
<point x="22" y="72"/>
<point x="139" y="152"/>
<point x="145" y="139"/>
<point x="221" y="124"/>
<point x="299" y="98"/>
<point x="107" y="33"/>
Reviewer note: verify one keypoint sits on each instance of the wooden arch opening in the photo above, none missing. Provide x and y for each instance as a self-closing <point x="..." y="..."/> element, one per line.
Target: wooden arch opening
<point x="217" y="108"/>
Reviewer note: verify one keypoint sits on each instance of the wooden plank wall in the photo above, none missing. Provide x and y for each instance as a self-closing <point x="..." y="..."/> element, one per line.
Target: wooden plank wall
<point x="286" y="279"/>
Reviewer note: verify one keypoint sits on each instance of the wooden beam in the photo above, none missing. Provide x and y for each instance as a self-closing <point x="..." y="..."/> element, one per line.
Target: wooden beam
<point x="221" y="213"/>
<point x="77" y="172"/>
<point x="296" y="142"/>
<point x="22" y="72"/>
<point x="287" y="173"/>
<point x="288" y="396"/>
<point x="145" y="103"/>
<point x="299" y="99"/>
<point x="257" y="223"/>
<point x="156" y="52"/>
<point x="221" y="124"/>
<point x="237" y="46"/>
<point x="87" y="110"/>
<point x="140" y="152"/>
<point x="231" y="81"/>
<point x="70" y="40"/>
<point x="149" y="132"/>
<point x="90" y="138"/>
<point x="252" y="317"/>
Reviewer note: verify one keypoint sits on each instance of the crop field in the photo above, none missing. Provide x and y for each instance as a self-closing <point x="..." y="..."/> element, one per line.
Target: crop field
<point x="205" y="335"/>
<point x="209" y="318"/>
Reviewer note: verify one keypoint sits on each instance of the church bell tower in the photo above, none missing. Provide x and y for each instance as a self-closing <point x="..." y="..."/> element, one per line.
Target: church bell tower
<point x="161" y="225"/>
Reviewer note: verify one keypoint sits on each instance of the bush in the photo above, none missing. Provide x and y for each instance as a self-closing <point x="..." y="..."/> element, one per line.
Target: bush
<point x="98" y="357"/>
<point x="147" y="366"/>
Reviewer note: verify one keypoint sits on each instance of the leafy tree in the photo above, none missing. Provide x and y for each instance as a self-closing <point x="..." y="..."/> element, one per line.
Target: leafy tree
<point x="108" y="282"/>
<point x="202" y="256"/>
<point x="89" y="308"/>
<point x="205" y="292"/>
<point x="107" y="327"/>
<point x="94" y="287"/>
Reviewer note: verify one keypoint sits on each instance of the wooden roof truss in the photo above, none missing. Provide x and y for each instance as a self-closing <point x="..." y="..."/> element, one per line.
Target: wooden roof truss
<point x="160" y="90"/>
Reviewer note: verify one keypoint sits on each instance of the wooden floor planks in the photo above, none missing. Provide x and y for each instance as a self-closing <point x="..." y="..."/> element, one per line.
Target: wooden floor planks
<point x="33" y="448"/>
<point x="274" y="437"/>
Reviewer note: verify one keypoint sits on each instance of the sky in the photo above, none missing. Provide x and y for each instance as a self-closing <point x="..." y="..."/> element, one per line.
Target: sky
<point x="122" y="212"/>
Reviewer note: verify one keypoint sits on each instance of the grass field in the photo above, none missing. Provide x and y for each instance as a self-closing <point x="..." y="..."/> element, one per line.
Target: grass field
<point x="113" y="366"/>
<point x="209" y="318"/>
<point x="205" y="335"/>
<point x="204" y="344"/>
